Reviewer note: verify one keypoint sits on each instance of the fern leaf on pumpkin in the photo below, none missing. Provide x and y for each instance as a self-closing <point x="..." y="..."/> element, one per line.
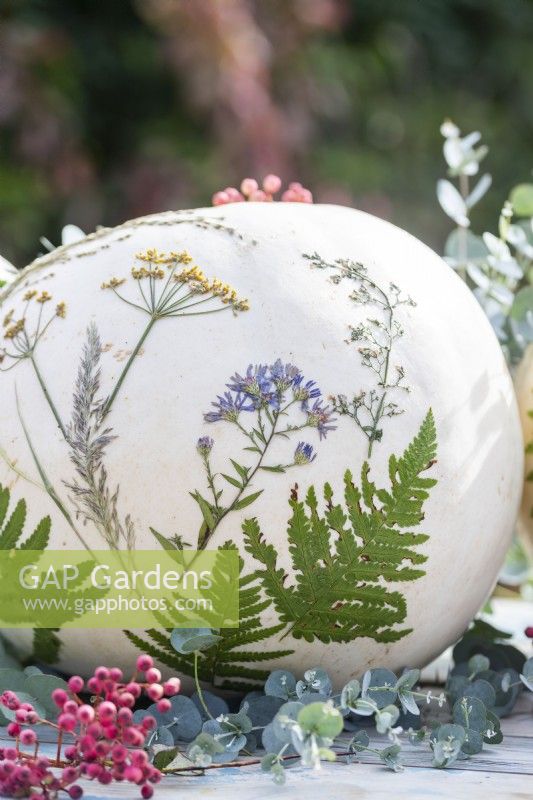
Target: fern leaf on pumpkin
<point x="344" y="557"/>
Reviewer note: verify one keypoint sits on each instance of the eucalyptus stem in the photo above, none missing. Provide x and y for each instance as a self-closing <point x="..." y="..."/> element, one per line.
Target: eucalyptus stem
<point x="199" y="688"/>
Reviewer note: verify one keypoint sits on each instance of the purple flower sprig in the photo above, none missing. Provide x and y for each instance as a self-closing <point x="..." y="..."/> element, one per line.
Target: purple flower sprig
<point x="266" y="402"/>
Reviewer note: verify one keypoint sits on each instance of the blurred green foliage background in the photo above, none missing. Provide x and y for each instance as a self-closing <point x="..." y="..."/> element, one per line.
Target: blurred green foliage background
<point x="114" y="108"/>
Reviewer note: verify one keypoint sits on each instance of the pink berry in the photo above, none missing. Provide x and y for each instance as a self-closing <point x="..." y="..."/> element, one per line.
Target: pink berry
<point x="119" y="753"/>
<point x="149" y="723"/>
<point x="127" y="699"/>
<point x="144" y="662"/>
<point x="60" y="697"/>
<point x="101" y="673"/>
<point x="75" y="684"/>
<point x="220" y="199"/>
<point x="155" y="691"/>
<point x="69" y="775"/>
<point x="94" y="685"/>
<point x="28" y="736"/>
<point x="147" y="791"/>
<point x="66" y="722"/>
<point x="85" y="714"/>
<point x="107" y="711"/>
<point x="259" y="196"/>
<point x="249" y="186"/>
<point x="13" y="729"/>
<point x="289" y="196"/>
<point x="21" y="714"/>
<point x="124" y="716"/>
<point x="172" y="686"/>
<point x="272" y="184"/>
<point x="133" y="688"/>
<point x="115" y="674"/>
<point x="139" y="758"/>
<point x="75" y="792"/>
<point x="234" y="195"/>
<point x="71" y="752"/>
<point x="133" y="774"/>
<point x="71" y="707"/>
<point x="529" y="631"/>
<point x="164" y="705"/>
<point x="153" y="675"/>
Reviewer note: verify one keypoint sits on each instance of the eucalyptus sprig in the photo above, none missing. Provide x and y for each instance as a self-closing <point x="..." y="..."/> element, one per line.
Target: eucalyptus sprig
<point x="302" y="720"/>
<point x="498" y="268"/>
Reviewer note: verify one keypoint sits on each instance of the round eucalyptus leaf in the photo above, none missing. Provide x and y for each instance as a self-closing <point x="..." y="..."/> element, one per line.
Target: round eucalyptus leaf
<point x="281" y="683"/>
<point x="189" y="640"/>
<point x="349" y="694"/>
<point x="263" y="710"/>
<point x="216" y="705"/>
<point x="471" y="713"/>
<point x="183" y="718"/>
<point x="483" y="691"/>
<point x="322" y="719"/>
<point x="521" y="198"/>
<point x="382" y="687"/>
<point x="473" y="742"/>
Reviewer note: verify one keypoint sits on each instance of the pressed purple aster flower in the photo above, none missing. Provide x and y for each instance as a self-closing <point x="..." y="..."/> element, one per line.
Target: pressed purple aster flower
<point x="321" y="417"/>
<point x="304" y="454"/>
<point x="256" y="385"/>
<point x="303" y="392"/>
<point x="228" y="408"/>
<point x="204" y="445"/>
<point x="283" y="375"/>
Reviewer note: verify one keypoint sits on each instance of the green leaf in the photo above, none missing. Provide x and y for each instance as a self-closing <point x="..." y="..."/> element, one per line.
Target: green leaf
<point x="14" y="527"/>
<point x="246" y="501"/>
<point x="521" y="198"/>
<point x="322" y="719"/>
<point x="40" y="537"/>
<point x="233" y="481"/>
<point x="205" y="508"/>
<point x="277" y="468"/>
<point x="242" y="471"/>
<point x="345" y="557"/>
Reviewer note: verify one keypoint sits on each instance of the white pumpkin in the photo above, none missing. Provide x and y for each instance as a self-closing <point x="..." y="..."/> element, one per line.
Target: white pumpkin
<point x="385" y="334"/>
<point x="524" y="393"/>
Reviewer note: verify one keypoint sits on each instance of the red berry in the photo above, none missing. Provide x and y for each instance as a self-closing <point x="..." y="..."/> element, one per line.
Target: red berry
<point x="529" y="631"/>
<point x="147" y="791"/>
<point x="164" y="705"/>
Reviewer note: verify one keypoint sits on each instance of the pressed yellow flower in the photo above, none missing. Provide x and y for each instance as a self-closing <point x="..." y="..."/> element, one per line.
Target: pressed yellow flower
<point x="14" y="329"/>
<point x="44" y="297"/>
<point x="113" y="283"/>
<point x="61" y="310"/>
<point x="30" y="294"/>
<point x="8" y="317"/>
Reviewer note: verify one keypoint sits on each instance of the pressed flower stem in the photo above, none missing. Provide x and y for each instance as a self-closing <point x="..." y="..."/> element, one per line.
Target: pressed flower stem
<point x="131" y="359"/>
<point x="46" y="393"/>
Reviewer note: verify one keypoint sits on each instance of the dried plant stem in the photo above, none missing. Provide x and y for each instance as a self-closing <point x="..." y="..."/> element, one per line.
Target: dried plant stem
<point x="110" y="400"/>
<point x="46" y="482"/>
<point x="47" y="395"/>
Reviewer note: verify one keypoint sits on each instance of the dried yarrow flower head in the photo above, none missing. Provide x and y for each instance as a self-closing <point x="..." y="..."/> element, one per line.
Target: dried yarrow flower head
<point x="107" y="744"/>
<point x="295" y="193"/>
<point x="176" y="287"/>
<point x="23" y="336"/>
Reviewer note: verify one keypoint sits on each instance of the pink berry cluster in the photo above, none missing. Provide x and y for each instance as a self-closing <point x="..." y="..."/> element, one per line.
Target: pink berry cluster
<point x="295" y="193"/>
<point x="107" y="744"/>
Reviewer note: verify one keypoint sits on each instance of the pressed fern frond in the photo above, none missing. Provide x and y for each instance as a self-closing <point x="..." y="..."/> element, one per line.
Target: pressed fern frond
<point x="226" y="664"/>
<point x="344" y="556"/>
<point x="12" y="530"/>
